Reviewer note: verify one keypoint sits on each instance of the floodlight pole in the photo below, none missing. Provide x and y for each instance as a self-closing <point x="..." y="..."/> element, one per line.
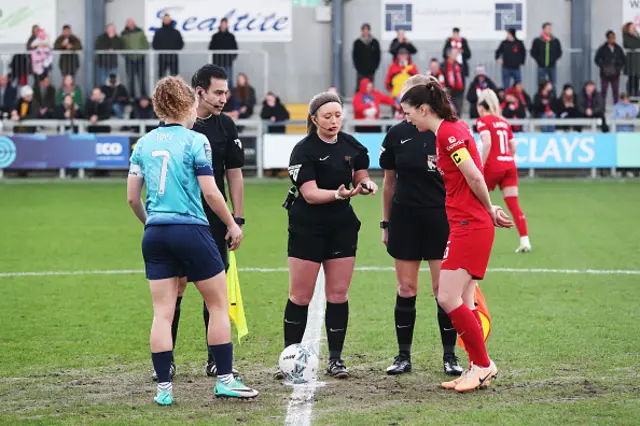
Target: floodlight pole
<point x="336" y="44"/>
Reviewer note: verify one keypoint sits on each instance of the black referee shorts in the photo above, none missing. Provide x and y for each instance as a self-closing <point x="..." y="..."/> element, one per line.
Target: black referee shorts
<point x="218" y="232"/>
<point x="417" y="233"/>
<point x="318" y="244"/>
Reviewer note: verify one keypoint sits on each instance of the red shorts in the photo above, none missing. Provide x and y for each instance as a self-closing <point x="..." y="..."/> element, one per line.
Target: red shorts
<point x="504" y="178"/>
<point x="469" y="249"/>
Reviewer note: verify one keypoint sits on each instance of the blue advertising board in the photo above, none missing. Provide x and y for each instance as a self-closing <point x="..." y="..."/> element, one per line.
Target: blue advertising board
<point x="63" y="151"/>
<point x="540" y="150"/>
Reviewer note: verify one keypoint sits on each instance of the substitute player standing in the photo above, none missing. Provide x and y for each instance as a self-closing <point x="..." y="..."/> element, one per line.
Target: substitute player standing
<point x="414" y="228"/>
<point x="210" y="84"/>
<point x="175" y="164"/>
<point x="323" y="228"/>
<point x="471" y="217"/>
<point x="498" y="149"/>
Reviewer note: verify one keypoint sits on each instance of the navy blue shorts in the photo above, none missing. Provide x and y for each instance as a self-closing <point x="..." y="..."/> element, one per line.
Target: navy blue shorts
<point x="180" y="250"/>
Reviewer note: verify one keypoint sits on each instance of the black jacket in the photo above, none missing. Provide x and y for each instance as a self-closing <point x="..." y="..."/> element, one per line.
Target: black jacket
<point x="610" y="62"/>
<point x="538" y="52"/>
<point x="102" y="109"/>
<point x="59" y="110"/>
<point x="538" y="108"/>
<point x="249" y="101"/>
<point x="396" y="45"/>
<point x="223" y="40"/>
<point x="116" y="95"/>
<point x="168" y="38"/>
<point x="278" y="111"/>
<point x="46" y="98"/>
<point x="366" y="56"/>
<point x="513" y="53"/>
<point x="472" y="95"/>
<point x="108" y="60"/>
<point x="466" y="53"/>
<point x="9" y="99"/>
<point x="632" y="42"/>
<point x="143" y="113"/>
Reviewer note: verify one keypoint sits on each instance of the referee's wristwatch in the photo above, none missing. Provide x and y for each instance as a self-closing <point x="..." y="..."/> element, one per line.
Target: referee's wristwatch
<point x="239" y="220"/>
<point x="384" y="224"/>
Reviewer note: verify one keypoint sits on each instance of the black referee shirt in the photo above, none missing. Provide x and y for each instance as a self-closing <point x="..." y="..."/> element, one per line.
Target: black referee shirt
<point x="226" y="146"/>
<point x="412" y="155"/>
<point x="330" y="165"/>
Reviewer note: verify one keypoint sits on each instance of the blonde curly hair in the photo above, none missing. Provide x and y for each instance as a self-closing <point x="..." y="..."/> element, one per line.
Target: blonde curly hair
<point x="173" y="99"/>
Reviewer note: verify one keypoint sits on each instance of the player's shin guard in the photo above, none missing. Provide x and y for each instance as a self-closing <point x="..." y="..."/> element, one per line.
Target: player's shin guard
<point x="518" y="216"/>
<point x="470" y="331"/>
<point x="176" y="321"/>
<point x="448" y="333"/>
<point x="336" y="320"/>
<point x="295" y="322"/>
<point x="405" y="318"/>
<point x="162" y="365"/>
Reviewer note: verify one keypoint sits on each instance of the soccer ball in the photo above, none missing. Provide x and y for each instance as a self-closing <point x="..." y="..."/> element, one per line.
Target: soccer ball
<point x="298" y="364"/>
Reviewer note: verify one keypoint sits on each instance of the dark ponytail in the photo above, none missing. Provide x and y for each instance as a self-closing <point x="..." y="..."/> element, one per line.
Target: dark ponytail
<point x="314" y="105"/>
<point x="431" y="94"/>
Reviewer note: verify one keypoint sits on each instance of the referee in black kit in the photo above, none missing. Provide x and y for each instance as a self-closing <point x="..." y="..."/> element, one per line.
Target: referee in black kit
<point x="327" y="167"/>
<point x="414" y="228"/>
<point x="210" y="85"/>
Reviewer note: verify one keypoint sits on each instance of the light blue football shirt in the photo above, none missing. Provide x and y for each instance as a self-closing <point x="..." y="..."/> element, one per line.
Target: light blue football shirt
<point x="170" y="159"/>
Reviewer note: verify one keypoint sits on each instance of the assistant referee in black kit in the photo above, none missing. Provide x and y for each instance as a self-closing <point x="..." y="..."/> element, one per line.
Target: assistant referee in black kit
<point x="210" y="84"/>
<point x="414" y="228"/>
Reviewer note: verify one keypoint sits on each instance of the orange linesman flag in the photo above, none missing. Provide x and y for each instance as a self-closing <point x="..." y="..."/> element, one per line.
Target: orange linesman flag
<point x="481" y="306"/>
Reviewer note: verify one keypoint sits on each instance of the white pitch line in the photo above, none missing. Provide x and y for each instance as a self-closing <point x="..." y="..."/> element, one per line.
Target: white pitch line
<point x="301" y="403"/>
<point x="359" y="268"/>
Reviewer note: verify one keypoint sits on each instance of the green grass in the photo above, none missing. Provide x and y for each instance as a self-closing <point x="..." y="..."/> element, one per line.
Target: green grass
<point x="75" y="350"/>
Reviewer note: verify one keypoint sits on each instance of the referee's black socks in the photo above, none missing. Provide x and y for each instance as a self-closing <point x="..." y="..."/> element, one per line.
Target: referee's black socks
<point x="405" y="315"/>
<point x="176" y="321"/>
<point x="448" y="332"/>
<point x="295" y="322"/>
<point x="335" y="321"/>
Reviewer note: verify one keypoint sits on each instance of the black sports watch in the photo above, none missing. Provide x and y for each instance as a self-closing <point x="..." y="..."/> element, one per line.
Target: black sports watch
<point x="239" y="220"/>
<point x="384" y="224"/>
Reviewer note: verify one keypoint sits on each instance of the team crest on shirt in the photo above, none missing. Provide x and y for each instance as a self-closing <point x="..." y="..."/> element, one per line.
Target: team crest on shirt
<point x="431" y="162"/>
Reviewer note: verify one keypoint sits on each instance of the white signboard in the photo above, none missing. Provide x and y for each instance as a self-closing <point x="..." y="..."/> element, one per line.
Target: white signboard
<point x="434" y="19"/>
<point x="277" y="150"/>
<point x="198" y="20"/>
<point x="17" y="18"/>
<point x="631" y="12"/>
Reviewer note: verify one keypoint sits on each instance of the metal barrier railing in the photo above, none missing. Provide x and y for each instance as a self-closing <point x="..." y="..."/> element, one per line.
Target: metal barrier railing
<point x="258" y="128"/>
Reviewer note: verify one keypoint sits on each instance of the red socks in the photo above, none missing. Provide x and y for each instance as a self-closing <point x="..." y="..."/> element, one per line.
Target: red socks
<point x="518" y="215"/>
<point x="466" y="324"/>
<point x="477" y="315"/>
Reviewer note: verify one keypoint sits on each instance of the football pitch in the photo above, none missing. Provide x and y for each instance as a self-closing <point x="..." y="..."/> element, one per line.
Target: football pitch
<point x="74" y="348"/>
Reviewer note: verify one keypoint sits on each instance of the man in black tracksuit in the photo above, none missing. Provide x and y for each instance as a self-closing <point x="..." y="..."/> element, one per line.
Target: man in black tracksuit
<point x="167" y="38"/>
<point x="511" y="54"/>
<point x="224" y="40"/>
<point x="366" y="56"/>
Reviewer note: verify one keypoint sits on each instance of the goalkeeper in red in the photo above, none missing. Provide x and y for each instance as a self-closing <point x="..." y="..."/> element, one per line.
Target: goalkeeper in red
<point x="471" y="218"/>
<point x="498" y="149"/>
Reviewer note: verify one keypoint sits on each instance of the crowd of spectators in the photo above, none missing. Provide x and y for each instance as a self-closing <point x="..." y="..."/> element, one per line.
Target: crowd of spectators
<point x="453" y="71"/>
<point x="114" y="98"/>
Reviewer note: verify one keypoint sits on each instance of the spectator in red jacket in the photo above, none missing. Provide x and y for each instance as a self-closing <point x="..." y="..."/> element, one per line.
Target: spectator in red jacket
<point x="366" y="105"/>
<point x="399" y="71"/>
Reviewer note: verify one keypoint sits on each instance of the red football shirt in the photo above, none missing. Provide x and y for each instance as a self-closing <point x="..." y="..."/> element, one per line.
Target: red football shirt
<point x="500" y="156"/>
<point x="454" y="145"/>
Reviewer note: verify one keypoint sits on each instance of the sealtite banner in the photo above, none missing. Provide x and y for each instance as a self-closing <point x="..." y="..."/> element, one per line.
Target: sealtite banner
<point x="198" y="20"/>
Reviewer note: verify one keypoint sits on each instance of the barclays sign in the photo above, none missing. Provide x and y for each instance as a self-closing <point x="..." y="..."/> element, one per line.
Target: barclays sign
<point x="249" y="20"/>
